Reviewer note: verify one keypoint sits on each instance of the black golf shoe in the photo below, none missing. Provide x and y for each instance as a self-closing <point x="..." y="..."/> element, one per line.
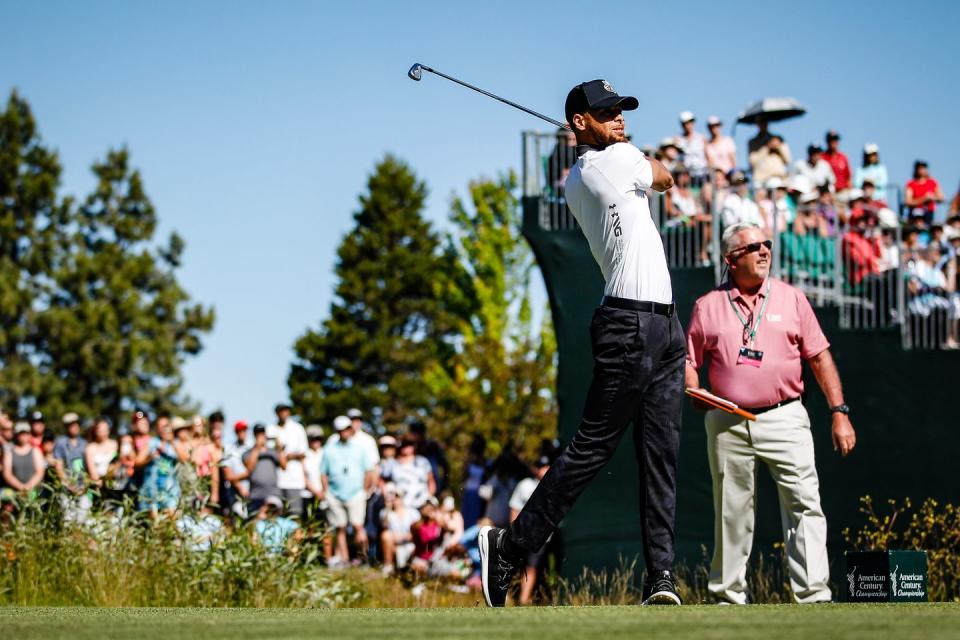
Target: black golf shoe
<point x="660" y="588"/>
<point x="496" y="569"/>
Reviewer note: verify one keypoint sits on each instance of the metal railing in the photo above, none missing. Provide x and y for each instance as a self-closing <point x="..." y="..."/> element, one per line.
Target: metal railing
<point x="878" y="276"/>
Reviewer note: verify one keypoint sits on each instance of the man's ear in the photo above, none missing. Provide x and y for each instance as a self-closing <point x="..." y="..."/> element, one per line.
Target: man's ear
<point x="578" y="123"/>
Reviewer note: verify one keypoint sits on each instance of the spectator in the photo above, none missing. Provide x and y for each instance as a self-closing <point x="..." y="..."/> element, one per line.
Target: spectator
<point x="860" y="253"/>
<point x="263" y="466"/>
<point x="737" y="206"/>
<point x="413" y="475"/>
<point x="808" y="220"/>
<point x="291" y="436"/>
<point x="366" y="442"/>
<point x="100" y="452"/>
<point x="838" y="162"/>
<point x="720" y="150"/>
<point x="773" y="207"/>
<point x="37" y="429"/>
<point x="69" y="452"/>
<point x="233" y="471"/>
<point x="344" y="471"/>
<point x="872" y="170"/>
<point x="200" y="530"/>
<point x="815" y="169"/>
<point x="562" y="158"/>
<point x="668" y="153"/>
<point x="23" y="464"/>
<point x="923" y="194"/>
<point x="274" y="531"/>
<point x="50" y="485"/>
<point x="312" y="463"/>
<point x="121" y="472"/>
<point x="955" y="204"/>
<point x="760" y="140"/>
<point x="396" y="538"/>
<point x="772" y="159"/>
<point x="872" y="199"/>
<point x="685" y="210"/>
<point x="433" y="452"/>
<point x="6" y="431"/>
<point x="205" y="458"/>
<point x="159" y="491"/>
<point x="928" y="291"/>
<point x="473" y="473"/>
<point x="451" y="520"/>
<point x="693" y="149"/>
<point x="506" y="471"/>
<point x="427" y="535"/>
<point x="536" y="563"/>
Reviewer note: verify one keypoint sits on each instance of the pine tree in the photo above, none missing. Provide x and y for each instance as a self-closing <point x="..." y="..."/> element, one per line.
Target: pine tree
<point x="391" y="319"/>
<point x="98" y="322"/>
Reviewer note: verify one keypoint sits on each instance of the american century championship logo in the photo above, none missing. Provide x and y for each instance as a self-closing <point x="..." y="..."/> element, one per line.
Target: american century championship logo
<point x="608" y="87"/>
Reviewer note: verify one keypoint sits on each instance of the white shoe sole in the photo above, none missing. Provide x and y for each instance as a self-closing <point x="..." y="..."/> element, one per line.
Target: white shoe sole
<point x="484" y="562"/>
<point x="663" y="597"/>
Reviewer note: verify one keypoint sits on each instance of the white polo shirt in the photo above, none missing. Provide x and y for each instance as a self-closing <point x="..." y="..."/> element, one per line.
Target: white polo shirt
<point x="293" y="437"/>
<point x="607" y="194"/>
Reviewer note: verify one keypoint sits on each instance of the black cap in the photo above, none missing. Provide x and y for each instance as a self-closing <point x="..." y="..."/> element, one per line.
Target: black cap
<point x="596" y="94"/>
<point x="814" y="148"/>
<point x="283" y="406"/>
<point x="259" y="428"/>
<point x="832" y="135"/>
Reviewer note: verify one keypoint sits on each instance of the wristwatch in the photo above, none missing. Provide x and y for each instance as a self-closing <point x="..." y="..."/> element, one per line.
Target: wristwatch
<point x="840" y="408"/>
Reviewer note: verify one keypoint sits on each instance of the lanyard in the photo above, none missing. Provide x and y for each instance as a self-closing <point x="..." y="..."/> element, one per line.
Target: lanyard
<point x="746" y="325"/>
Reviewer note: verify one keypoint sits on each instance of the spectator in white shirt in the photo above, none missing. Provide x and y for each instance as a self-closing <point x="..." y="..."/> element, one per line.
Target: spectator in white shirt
<point x="312" y="475"/>
<point x="737" y="205"/>
<point x="395" y="538"/>
<point x="815" y="168"/>
<point x="413" y="475"/>
<point x="292" y="438"/>
<point x="693" y="147"/>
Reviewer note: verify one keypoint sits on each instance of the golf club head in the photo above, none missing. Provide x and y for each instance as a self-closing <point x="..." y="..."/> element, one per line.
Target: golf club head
<point x="415" y="71"/>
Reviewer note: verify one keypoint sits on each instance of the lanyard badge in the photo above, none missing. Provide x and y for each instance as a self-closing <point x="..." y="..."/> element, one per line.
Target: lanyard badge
<point x="748" y="355"/>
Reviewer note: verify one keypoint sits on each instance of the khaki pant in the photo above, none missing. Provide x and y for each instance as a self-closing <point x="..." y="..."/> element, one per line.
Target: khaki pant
<point x="781" y="439"/>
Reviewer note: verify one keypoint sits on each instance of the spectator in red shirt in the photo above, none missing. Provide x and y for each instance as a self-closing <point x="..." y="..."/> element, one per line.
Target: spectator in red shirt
<point x="861" y="249"/>
<point x="838" y="161"/>
<point x="923" y="194"/>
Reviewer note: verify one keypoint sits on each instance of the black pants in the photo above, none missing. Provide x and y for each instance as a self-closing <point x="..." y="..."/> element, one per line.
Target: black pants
<point x="638" y="366"/>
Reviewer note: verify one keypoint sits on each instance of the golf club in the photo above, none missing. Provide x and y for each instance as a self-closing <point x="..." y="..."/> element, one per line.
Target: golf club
<point x="417" y="69"/>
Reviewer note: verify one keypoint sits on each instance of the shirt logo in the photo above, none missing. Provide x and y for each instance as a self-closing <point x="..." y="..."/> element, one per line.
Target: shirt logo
<point x="608" y="87"/>
<point x="774" y="317"/>
<point x="617" y="230"/>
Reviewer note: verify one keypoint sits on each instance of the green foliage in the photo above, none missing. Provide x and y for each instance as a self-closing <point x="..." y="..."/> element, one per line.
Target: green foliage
<point x="501" y="384"/>
<point x="93" y="318"/>
<point x="391" y="319"/>
<point x="130" y="561"/>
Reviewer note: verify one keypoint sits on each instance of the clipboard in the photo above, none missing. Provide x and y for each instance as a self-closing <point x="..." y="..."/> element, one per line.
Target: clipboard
<point x="719" y="403"/>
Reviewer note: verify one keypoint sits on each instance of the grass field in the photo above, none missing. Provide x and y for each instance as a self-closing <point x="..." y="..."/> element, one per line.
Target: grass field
<point x="767" y="622"/>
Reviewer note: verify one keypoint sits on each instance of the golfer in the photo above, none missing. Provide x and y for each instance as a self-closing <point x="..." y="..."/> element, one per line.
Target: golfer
<point x="638" y="352"/>
<point x="756" y="331"/>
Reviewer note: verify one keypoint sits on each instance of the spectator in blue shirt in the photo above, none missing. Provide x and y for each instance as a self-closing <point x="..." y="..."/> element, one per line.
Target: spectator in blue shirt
<point x="272" y="529"/>
<point x="343" y="470"/>
<point x="872" y="170"/>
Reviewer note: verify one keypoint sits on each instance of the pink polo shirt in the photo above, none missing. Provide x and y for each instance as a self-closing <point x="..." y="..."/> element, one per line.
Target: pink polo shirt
<point x="789" y="333"/>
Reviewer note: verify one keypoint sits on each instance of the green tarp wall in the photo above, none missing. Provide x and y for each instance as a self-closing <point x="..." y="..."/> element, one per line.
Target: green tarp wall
<point x="907" y="425"/>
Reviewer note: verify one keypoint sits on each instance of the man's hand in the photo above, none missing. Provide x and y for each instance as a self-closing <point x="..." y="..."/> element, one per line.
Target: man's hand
<point x="844" y="437"/>
<point x="699" y="404"/>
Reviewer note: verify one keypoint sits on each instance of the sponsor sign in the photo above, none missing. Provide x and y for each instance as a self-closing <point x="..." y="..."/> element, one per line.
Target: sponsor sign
<point x="886" y="576"/>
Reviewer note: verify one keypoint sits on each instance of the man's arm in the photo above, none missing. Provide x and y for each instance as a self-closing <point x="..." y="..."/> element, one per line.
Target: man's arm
<point x="662" y="180"/>
<point x="825" y="370"/>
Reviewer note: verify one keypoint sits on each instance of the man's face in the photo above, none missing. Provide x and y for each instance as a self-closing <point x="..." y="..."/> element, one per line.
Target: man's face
<point x="282" y="416"/>
<point x="600" y="127"/>
<point x="357" y="423"/>
<point x="407" y="451"/>
<point x="6" y="432"/>
<point x="142" y="425"/>
<point x="833" y="144"/>
<point x="346" y="434"/>
<point x="388" y="452"/>
<point x="747" y="266"/>
<point x="37" y="427"/>
<point x="316" y="443"/>
<point x="73" y="429"/>
<point x="814" y="156"/>
<point x="688" y="127"/>
<point x="260" y="438"/>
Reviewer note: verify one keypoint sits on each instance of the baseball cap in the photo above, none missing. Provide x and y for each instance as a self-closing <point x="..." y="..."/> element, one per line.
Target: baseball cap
<point x="283" y="406"/>
<point x="737" y="177"/>
<point x="711" y="120"/>
<point x="354" y="413"/>
<point x="314" y="432"/>
<point x="810" y="196"/>
<point x="177" y="423"/>
<point x="387" y="441"/>
<point x="814" y="148"/>
<point x="799" y="182"/>
<point x="596" y="94"/>
<point x="36" y="416"/>
<point x="259" y="428"/>
<point x="240" y="425"/>
<point x="669" y="141"/>
<point x="137" y="415"/>
<point x="832" y="135"/>
<point x="70" y="417"/>
<point x="342" y="422"/>
<point x="273" y="501"/>
<point x="773" y="182"/>
<point x="21" y="427"/>
<point x="871" y="147"/>
<point x="854" y="194"/>
<point x="686" y="116"/>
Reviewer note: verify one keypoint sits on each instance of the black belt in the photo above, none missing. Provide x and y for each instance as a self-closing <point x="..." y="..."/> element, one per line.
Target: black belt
<point x="757" y="410"/>
<point x="639" y="305"/>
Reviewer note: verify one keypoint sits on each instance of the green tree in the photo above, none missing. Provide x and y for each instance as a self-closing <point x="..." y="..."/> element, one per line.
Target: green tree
<point x="391" y="318"/>
<point x="108" y="326"/>
<point x="502" y="380"/>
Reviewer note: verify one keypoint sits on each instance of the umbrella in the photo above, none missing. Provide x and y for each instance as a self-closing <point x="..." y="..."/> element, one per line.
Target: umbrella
<point x="771" y="110"/>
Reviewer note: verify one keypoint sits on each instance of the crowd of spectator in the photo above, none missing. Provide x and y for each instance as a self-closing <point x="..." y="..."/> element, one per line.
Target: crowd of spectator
<point x="385" y="500"/>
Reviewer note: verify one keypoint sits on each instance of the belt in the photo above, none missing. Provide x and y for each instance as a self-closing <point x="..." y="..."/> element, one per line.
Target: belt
<point x="756" y="410"/>
<point x="639" y="305"/>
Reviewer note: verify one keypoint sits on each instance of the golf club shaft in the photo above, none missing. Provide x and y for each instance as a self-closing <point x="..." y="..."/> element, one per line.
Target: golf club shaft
<point x="495" y="97"/>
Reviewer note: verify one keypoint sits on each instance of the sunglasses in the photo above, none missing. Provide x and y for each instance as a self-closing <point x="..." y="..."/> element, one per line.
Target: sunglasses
<point x="752" y="247"/>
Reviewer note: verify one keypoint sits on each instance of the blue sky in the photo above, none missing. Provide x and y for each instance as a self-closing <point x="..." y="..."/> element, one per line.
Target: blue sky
<point x="256" y="124"/>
